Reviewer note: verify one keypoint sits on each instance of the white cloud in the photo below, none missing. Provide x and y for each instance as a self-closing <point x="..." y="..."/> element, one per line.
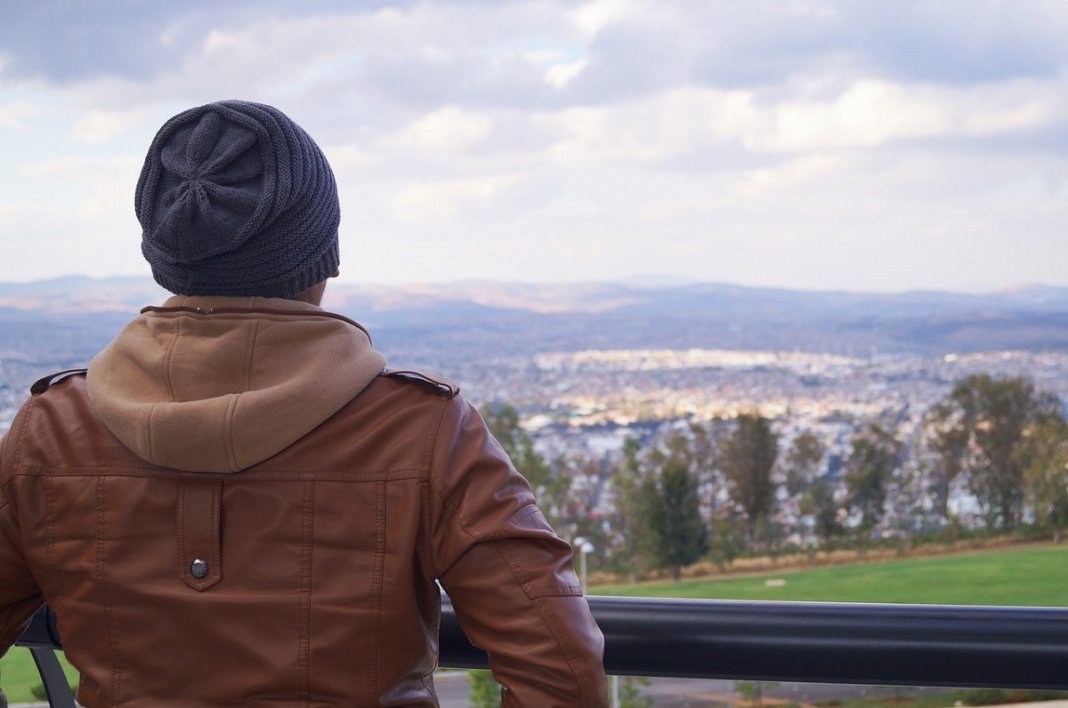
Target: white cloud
<point x="96" y="190"/>
<point x="765" y="182"/>
<point x="697" y="138"/>
<point x="659" y="127"/>
<point x="1008" y="120"/>
<point x="868" y="113"/>
<point x="447" y="130"/>
<point x="15" y="115"/>
<point x="219" y="41"/>
<point x="348" y="156"/>
<point x="560" y="75"/>
<point x="429" y="201"/>
<point x="1014" y="107"/>
<point x="592" y="17"/>
<point x="100" y="126"/>
<point x="90" y="170"/>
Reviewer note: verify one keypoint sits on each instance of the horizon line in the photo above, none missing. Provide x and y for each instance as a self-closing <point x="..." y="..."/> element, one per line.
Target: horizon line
<point x="643" y="281"/>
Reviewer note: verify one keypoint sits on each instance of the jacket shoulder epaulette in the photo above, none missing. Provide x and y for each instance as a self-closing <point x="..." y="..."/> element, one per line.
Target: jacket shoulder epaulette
<point x="440" y="385"/>
<point x="45" y="382"/>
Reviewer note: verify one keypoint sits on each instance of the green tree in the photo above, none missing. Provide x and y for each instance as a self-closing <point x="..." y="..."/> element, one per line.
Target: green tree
<point x="753" y="691"/>
<point x="802" y="462"/>
<point x="875" y="456"/>
<point x="669" y="508"/>
<point x="631" y="694"/>
<point x="947" y="440"/>
<point x="747" y="458"/>
<point x="503" y="422"/>
<point x="728" y="540"/>
<point x="818" y="502"/>
<point x="1046" y="475"/>
<point x="551" y="483"/>
<point x="485" y="692"/>
<point x="995" y="415"/>
<point x="579" y="517"/>
<point x="626" y="516"/>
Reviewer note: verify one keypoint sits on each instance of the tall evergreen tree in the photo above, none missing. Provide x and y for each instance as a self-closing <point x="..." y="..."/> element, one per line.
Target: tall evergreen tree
<point x="947" y="441"/>
<point x="670" y="509"/>
<point x="747" y="458"/>
<point x="875" y="456"/>
<point x="818" y="502"/>
<point x="802" y="462"/>
<point x="626" y="516"/>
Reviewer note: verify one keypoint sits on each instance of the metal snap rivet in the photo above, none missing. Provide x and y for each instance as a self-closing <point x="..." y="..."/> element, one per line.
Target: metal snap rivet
<point x="198" y="568"/>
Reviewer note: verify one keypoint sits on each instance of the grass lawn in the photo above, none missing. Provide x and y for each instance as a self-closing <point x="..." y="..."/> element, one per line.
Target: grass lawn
<point x="1032" y="575"/>
<point x="18" y="675"/>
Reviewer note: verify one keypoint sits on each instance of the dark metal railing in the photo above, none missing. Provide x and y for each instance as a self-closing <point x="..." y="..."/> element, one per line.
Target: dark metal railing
<point x="906" y="645"/>
<point x="42" y="639"/>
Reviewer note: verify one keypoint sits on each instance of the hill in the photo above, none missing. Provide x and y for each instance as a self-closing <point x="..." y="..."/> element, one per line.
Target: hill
<point x="532" y="317"/>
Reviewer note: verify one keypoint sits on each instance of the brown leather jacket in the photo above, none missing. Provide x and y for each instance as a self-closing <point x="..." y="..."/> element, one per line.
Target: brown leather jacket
<point x="236" y="507"/>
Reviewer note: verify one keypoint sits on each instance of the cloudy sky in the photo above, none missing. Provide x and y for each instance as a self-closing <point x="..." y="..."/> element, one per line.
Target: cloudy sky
<point x="812" y="144"/>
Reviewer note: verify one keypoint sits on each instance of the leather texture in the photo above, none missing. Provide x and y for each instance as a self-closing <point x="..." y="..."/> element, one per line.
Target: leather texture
<point x="308" y="578"/>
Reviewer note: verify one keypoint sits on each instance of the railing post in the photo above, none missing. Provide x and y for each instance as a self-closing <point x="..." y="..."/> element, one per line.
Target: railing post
<point x="42" y="639"/>
<point x="55" y="681"/>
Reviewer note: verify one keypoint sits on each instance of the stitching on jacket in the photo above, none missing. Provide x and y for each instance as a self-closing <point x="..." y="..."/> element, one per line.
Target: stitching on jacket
<point x="449" y="503"/>
<point x="25" y="423"/>
<point x="526" y="509"/>
<point x="552" y="623"/>
<point x="109" y="622"/>
<point x="448" y="507"/>
<point x="49" y="500"/>
<point x="501" y="547"/>
<point x="286" y="475"/>
<point x="304" y="631"/>
<point x="430" y="438"/>
<point x="425" y="475"/>
<point x="180" y="528"/>
<point x="377" y="573"/>
<point x="216" y="530"/>
<point x="426" y="493"/>
<point x="433" y="449"/>
<point x="547" y="618"/>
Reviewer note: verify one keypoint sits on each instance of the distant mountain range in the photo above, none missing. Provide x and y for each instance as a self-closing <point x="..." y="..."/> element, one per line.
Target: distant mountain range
<point x="530" y="317"/>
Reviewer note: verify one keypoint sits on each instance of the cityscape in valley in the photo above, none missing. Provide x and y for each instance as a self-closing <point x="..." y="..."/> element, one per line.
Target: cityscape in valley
<point x="588" y="366"/>
<point x="598" y="390"/>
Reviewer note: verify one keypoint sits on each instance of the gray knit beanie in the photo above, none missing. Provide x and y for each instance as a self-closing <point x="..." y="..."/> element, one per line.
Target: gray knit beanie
<point x="236" y="199"/>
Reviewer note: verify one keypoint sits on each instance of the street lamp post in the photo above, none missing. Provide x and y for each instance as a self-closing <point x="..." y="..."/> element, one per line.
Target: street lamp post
<point x="583" y="546"/>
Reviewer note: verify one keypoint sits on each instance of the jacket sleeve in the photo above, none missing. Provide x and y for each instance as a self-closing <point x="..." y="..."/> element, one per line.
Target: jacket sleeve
<point x="19" y="595"/>
<point x="510" y="577"/>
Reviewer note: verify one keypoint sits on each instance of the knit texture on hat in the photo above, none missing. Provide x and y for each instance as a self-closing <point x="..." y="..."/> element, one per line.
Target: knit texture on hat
<point x="236" y="199"/>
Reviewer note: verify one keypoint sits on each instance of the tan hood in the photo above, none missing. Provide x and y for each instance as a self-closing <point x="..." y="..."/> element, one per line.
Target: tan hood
<point x="218" y="384"/>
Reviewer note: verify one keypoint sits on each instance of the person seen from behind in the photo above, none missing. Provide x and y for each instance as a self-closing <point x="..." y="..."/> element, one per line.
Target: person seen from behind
<point x="239" y="504"/>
